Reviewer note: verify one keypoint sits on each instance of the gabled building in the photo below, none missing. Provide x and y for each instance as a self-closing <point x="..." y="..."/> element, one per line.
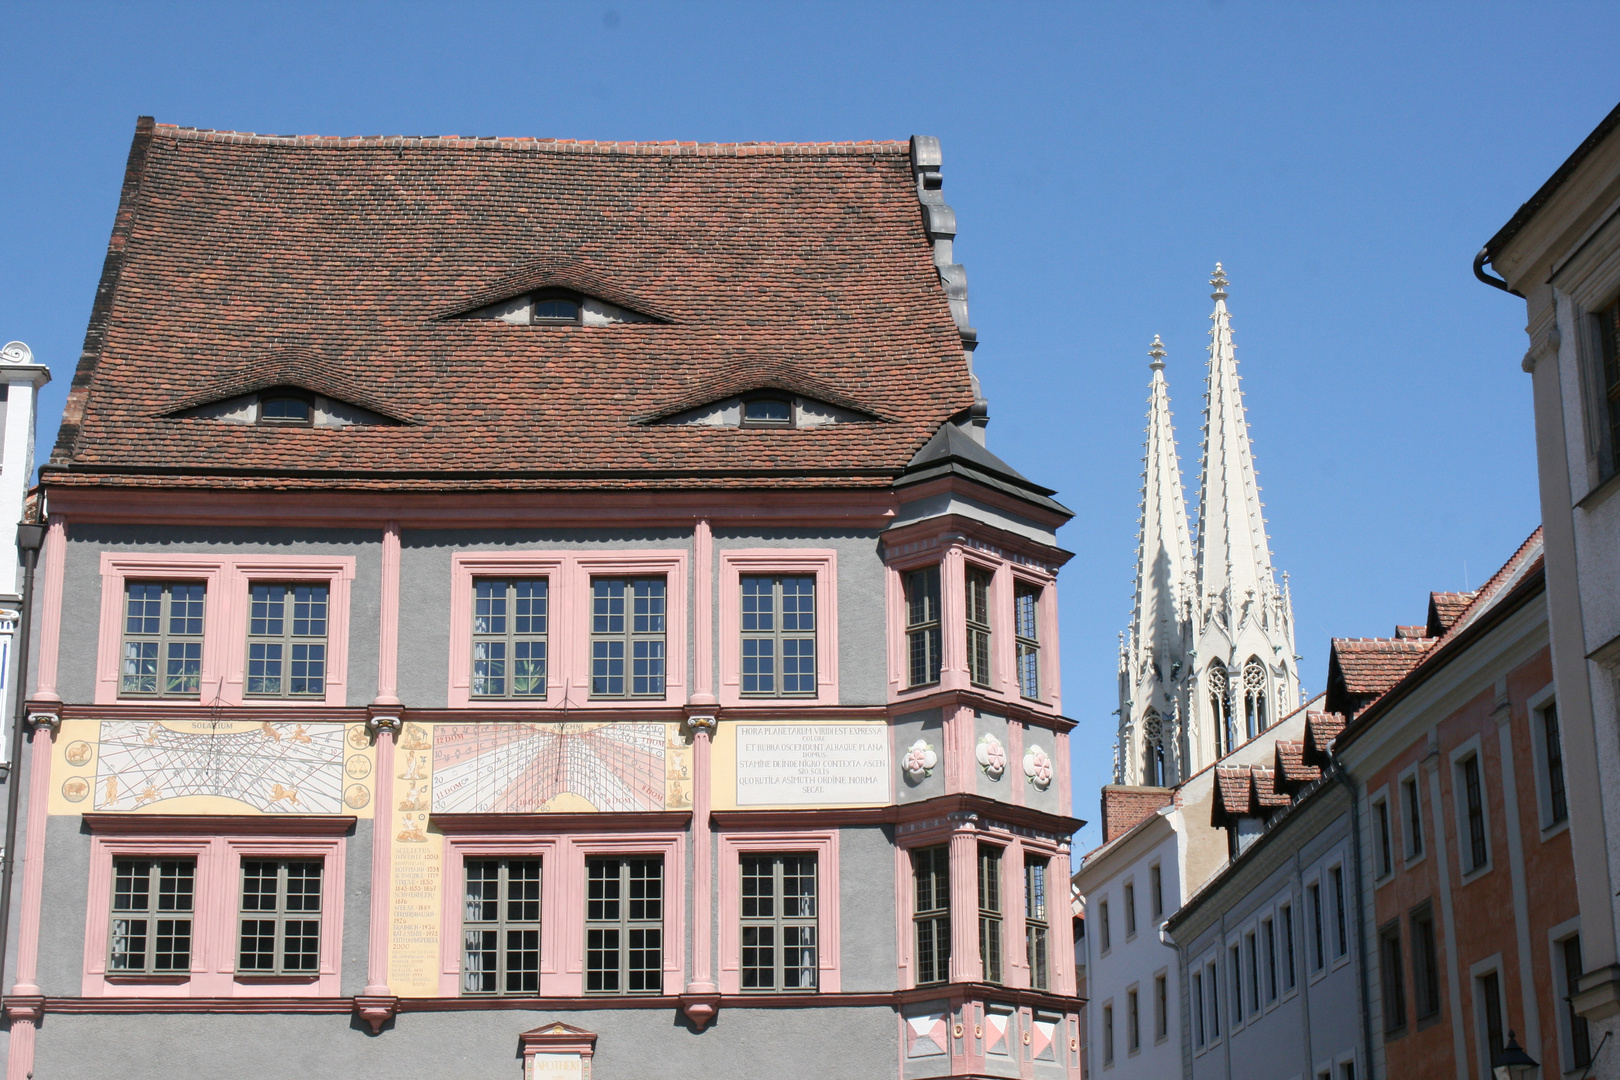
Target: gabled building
<point x="527" y="605"/>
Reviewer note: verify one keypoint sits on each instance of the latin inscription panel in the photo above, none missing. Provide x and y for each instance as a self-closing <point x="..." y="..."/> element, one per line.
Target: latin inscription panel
<point x="812" y="764"/>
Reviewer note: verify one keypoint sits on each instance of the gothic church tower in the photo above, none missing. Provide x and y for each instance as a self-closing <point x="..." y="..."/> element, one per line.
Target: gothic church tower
<point x="1209" y="662"/>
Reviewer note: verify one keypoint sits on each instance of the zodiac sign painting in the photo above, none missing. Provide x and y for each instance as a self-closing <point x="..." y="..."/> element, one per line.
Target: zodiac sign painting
<point x="273" y="768"/>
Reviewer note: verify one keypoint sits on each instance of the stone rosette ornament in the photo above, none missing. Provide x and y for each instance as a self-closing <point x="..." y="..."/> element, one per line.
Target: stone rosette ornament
<point x="919" y="761"/>
<point x="1038" y="767"/>
<point x="992" y="756"/>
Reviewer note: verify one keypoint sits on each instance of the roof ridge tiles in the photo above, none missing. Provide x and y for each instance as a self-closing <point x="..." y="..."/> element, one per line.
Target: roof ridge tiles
<point x="531" y="142"/>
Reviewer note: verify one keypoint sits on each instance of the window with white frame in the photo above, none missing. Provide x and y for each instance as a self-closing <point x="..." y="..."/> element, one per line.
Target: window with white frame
<point x="1576" y="1030"/>
<point x="509" y="637"/>
<point x="280" y="917"/>
<point x="778" y="635"/>
<point x="1392" y="975"/>
<point x="624" y="925"/>
<point x="1412" y="805"/>
<point x="1251" y="958"/>
<point x="1156" y="890"/>
<point x="1268" y="935"/>
<point x="153" y="902"/>
<point x="1606" y="410"/>
<point x="501" y="926"/>
<point x="978" y="625"/>
<point x="1104" y="931"/>
<point x="1133" y="1021"/>
<point x="1313" y="900"/>
<point x="1488" y="998"/>
<point x="1234" y="967"/>
<point x="1027" y="638"/>
<point x="1285" y="920"/>
<point x="286" y="645"/>
<point x="1108" y="1033"/>
<point x="1385" y="842"/>
<point x="163" y="639"/>
<point x="922" y="626"/>
<point x="1200" y="1035"/>
<point x="1476" y="849"/>
<point x="1553" y="764"/>
<point x="1129" y="900"/>
<point x="1340" y="922"/>
<point x="1161" y="1007"/>
<point x="628" y="637"/>
<point x="779" y="943"/>
<point x="1212" y="979"/>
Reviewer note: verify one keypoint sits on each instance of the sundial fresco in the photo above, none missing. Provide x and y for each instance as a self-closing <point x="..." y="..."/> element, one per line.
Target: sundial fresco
<point x="274" y="768"/>
<point x="532" y="768"/>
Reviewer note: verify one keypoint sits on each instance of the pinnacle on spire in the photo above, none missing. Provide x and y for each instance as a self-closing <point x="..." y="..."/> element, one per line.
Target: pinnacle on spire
<point x="1157" y="352"/>
<point x="1218" y="279"/>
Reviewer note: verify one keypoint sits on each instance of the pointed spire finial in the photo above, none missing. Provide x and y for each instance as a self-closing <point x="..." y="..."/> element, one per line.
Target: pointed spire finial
<point x="1157" y="352"/>
<point x="1218" y="279"/>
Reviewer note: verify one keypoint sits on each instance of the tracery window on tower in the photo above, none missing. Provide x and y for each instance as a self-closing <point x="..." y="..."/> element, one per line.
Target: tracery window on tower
<point x="1220" y="709"/>
<point x="1153" y="774"/>
<point x="1254" y="696"/>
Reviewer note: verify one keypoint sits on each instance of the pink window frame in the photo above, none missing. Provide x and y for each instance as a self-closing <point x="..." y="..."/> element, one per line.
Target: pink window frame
<point x="225" y="618"/>
<point x="568" y="627"/>
<point x="1046" y="625"/>
<point x="895" y="601"/>
<point x="822" y="563"/>
<point x="219" y="855"/>
<point x="931" y="833"/>
<point x="562" y="901"/>
<point x="824" y="845"/>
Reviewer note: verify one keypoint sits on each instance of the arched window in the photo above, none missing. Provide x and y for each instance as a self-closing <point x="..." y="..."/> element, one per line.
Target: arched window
<point x="1152" y="751"/>
<point x="1254" y="696"/>
<point x="1220" y="710"/>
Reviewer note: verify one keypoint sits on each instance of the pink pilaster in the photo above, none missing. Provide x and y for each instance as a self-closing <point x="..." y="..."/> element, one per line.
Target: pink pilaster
<point x="50" y="610"/>
<point x="388" y="630"/>
<point x="382" y="891"/>
<point x="1060" y="916"/>
<point x="964" y="853"/>
<point x="703" y="615"/>
<point x="702" y="994"/>
<point x="33" y="897"/>
<point x="24" y="1014"/>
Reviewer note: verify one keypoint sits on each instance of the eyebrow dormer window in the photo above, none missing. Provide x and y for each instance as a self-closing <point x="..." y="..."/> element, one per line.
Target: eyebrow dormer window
<point x="554" y="310"/>
<point x="767" y="412"/>
<point x="284" y="410"/>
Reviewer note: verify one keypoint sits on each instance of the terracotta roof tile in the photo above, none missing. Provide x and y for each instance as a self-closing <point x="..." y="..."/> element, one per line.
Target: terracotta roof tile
<point x="1232" y="791"/>
<point x="1373" y="665"/>
<point x="1445" y="608"/>
<point x="807" y="264"/>
<point x="1321" y="728"/>
<point x="1266" y="795"/>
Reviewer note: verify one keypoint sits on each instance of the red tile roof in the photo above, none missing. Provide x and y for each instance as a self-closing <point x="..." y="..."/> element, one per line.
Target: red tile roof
<point x="1373" y="665"/>
<point x="1232" y="791"/>
<point x="331" y="262"/>
<point x="1445" y="608"/>
<point x="1321" y="728"/>
<point x="1291" y="767"/>
<point x="1266" y="795"/>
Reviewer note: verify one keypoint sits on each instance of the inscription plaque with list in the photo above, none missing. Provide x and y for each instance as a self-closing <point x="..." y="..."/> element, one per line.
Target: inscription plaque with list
<point x="812" y="764"/>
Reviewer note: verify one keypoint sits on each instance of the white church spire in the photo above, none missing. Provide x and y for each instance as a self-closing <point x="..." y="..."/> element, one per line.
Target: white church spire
<point x="1244" y="622"/>
<point x="1154" y="657"/>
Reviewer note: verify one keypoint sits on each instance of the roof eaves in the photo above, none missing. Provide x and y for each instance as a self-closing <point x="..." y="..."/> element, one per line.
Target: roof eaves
<point x="1531" y="206"/>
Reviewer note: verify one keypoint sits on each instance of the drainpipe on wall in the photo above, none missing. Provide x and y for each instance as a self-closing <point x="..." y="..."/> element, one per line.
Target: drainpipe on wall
<point x="1185" y="996"/>
<point x="30" y="538"/>
<point x="1343" y="776"/>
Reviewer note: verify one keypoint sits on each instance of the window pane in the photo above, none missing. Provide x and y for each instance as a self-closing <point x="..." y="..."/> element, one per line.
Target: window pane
<point x="556" y="309"/>
<point x="489" y="607"/>
<point x="145" y="607"/>
<point x="768" y="411"/>
<point x="758" y="604"/>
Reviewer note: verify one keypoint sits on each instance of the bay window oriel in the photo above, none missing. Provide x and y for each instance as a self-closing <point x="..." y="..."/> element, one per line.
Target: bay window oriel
<point x="931" y="913"/>
<point x="923" y="637"/>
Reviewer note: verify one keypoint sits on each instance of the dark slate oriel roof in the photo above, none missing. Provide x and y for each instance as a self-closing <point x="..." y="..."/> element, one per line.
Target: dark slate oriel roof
<point x="337" y="260"/>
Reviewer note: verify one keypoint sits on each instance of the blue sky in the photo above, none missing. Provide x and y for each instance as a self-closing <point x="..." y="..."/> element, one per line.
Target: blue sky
<point x="1344" y="161"/>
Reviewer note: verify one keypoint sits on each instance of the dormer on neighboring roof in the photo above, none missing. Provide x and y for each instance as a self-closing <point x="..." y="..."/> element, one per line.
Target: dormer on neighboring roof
<point x="761" y="394"/>
<point x="1445" y="608"/>
<point x="286" y="387"/>
<point x="1360" y="669"/>
<point x="547" y="294"/>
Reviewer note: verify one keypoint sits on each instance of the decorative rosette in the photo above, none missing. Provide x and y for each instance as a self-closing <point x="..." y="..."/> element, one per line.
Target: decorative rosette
<point x="920" y="761"/>
<point x="992" y="756"/>
<point x="1038" y="767"/>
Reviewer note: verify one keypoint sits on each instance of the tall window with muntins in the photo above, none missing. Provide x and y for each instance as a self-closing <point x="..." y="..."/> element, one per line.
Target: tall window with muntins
<point x="990" y="911"/>
<point x="1133" y="1022"/>
<point x="1478" y="853"/>
<point x="1161" y="1010"/>
<point x="280" y="918"/>
<point x="1156" y="890"/>
<point x="624" y="925"/>
<point x="922" y="626"/>
<point x="1212" y="976"/>
<point x="779" y="636"/>
<point x="1557" y="800"/>
<point x="1220" y="710"/>
<point x="1254" y="696"/>
<point x="1489" y="996"/>
<point x="931" y="913"/>
<point x="1252" y="948"/>
<point x="1386" y="852"/>
<point x="779" y="941"/>
<point x="1235" y="970"/>
<point x="1130" y="909"/>
<point x="1608" y="377"/>
<point x="501" y="927"/>
<point x="627" y="637"/>
<point x="1339" y="922"/>
<point x="1027" y="639"/>
<point x="978" y="626"/>
<point x="1036" y="923"/>
<point x="1425" y="964"/>
<point x="152" y="905"/>
<point x="1286" y="915"/>
<point x="287" y="640"/>
<point x="1580" y="1035"/>
<point x="163" y="639"/>
<point x="1199" y="1036"/>
<point x="509" y="637"/>
<point x="1268" y="931"/>
<point x="1414" y="818"/>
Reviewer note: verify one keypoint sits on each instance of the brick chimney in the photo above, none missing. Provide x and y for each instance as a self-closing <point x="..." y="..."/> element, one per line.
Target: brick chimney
<point x="1124" y="806"/>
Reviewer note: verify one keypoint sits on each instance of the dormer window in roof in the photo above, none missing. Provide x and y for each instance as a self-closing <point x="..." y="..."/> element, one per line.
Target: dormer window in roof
<point x="767" y="411"/>
<point x="557" y="307"/>
<point x="278" y="408"/>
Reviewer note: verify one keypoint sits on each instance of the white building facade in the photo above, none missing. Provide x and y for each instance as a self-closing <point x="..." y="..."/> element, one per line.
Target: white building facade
<point x="20" y="381"/>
